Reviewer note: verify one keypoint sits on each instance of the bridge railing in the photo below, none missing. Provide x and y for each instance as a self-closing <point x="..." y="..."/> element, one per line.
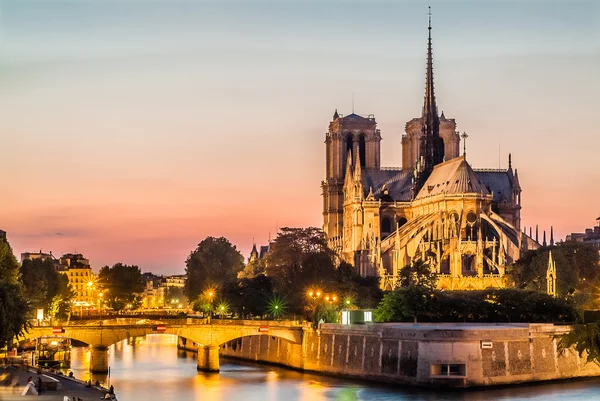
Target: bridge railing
<point x="129" y="321"/>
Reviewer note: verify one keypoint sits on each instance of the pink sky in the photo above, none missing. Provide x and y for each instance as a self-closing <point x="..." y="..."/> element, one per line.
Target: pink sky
<point x="131" y="133"/>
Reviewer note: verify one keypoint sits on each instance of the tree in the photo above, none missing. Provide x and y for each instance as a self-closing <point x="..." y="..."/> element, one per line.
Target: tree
<point x="418" y="274"/>
<point x="298" y="259"/>
<point x="577" y="266"/>
<point x="214" y="263"/>
<point x="62" y="302"/>
<point x="9" y="267"/>
<point x="41" y="281"/>
<point x="355" y="290"/>
<point x="14" y="307"/>
<point x="121" y="284"/>
<point x="585" y="338"/>
<point x="174" y="296"/>
<point x="253" y="269"/>
<point x="405" y="303"/>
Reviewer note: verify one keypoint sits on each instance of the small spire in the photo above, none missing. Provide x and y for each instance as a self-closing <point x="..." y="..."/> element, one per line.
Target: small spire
<point x="551" y="236"/>
<point x="551" y="276"/>
<point x="530" y="233"/>
<point x="464" y="136"/>
<point x="510" y="161"/>
<point x="349" y="165"/>
<point x="443" y="117"/>
<point x="536" y="234"/>
<point x="336" y="115"/>
<point x="544" y="243"/>
<point x="358" y="169"/>
<point x="371" y="196"/>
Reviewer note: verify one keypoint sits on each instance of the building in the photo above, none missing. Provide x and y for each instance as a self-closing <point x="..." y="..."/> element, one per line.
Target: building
<point x="39" y="255"/>
<point x="176" y="281"/>
<point x="591" y="236"/>
<point x="154" y="294"/>
<point x="464" y="222"/>
<point x="77" y="268"/>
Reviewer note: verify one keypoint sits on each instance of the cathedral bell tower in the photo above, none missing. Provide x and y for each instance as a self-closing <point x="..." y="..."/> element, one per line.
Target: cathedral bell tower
<point x="355" y="136"/>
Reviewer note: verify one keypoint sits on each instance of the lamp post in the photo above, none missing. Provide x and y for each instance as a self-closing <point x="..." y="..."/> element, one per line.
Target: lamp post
<point x="211" y="295"/>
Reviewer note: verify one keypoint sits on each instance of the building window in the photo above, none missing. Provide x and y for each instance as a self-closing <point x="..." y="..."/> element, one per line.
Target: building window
<point x="386" y="226"/>
<point x="449" y="369"/>
<point x="362" y="150"/>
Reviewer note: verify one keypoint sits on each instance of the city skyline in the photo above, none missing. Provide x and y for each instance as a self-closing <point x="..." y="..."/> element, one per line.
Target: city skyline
<point x="158" y="124"/>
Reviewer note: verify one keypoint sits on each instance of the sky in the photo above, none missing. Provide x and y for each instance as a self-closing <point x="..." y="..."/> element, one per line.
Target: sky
<point x="131" y="130"/>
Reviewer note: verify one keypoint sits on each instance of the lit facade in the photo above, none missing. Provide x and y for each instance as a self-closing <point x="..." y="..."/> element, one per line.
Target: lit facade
<point x="465" y="223"/>
<point x="78" y="270"/>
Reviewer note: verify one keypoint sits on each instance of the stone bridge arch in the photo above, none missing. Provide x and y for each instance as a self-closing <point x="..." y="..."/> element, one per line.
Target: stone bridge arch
<point x="208" y="337"/>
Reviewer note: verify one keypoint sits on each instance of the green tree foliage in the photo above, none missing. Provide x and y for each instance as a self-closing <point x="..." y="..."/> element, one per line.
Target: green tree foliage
<point x="493" y="305"/>
<point x="214" y="263"/>
<point x="326" y="312"/>
<point x="62" y="302"/>
<point x="577" y="268"/>
<point x="41" y="281"/>
<point x="249" y="296"/>
<point x="121" y="284"/>
<point x="14" y="307"/>
<point x="253" y="269"/>
<point x="585" y="338"/>
<point x="362" y="292"/>
<point x="419" y="274"/>
<point x="298" y="258"/>
<point x="174" y="296"/>
<point x="9" y="267"/>
<point x="405" y="303"/>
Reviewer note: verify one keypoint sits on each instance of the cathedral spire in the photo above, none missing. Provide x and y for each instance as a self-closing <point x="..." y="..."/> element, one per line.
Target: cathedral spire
<point x="429" y="106"/>
<point x="431" y="150"/>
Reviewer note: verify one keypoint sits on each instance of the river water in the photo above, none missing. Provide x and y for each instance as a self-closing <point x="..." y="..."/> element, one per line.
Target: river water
<point x="152" y="368"/>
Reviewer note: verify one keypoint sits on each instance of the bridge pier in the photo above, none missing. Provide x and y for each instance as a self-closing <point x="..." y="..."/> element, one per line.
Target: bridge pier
<point x="208" y="358"/>
<point x="99" y="359"/>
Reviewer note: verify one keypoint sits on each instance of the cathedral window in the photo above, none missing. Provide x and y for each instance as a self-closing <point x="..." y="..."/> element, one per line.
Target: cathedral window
<point x="348" y="141"/>
<point x="362" y="150"/>
<point x="386" y="226"/>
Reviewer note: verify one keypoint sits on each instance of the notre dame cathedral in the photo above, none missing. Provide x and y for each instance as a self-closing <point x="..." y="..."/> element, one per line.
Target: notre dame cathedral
<point x="464" y="222"/>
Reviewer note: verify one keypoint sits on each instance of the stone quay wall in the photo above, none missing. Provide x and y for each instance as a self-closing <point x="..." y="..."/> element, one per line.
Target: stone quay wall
<point x="452" y="355"/>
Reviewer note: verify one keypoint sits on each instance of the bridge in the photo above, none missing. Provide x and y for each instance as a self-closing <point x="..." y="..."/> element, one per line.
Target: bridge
<point x="99" y="335"/>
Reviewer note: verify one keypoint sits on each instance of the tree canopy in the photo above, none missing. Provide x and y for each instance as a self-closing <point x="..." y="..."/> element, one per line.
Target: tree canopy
<point x="577" y="269"/>
<point x="9" y="267"/>
<point x="120" y="284"/>
<point x="214" y="263"/>
<point x="41" y="281"/>
<point x="14" y="307"/>
<point x="491" y="305"/>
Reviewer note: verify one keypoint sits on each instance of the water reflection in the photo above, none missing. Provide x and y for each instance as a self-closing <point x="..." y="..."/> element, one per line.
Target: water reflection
<point x="152" y="368"/>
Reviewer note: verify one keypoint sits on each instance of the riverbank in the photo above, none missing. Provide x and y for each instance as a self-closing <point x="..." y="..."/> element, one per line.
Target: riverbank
<point x="437" y="355"/>
<point x="65" y="386"/>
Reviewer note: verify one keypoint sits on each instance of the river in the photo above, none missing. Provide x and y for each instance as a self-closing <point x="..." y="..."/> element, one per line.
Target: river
<point x="152" y="368"/>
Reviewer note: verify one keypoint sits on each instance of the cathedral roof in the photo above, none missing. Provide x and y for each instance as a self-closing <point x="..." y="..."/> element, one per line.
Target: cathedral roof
<point x="397" y="184"/>
<point x="454" y="176"/>
<point x="355" y="116"/>
<point x="497" y="182"/>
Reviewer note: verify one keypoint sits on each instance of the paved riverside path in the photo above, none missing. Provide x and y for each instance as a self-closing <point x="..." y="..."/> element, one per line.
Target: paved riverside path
<point x="69" y="388"/>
